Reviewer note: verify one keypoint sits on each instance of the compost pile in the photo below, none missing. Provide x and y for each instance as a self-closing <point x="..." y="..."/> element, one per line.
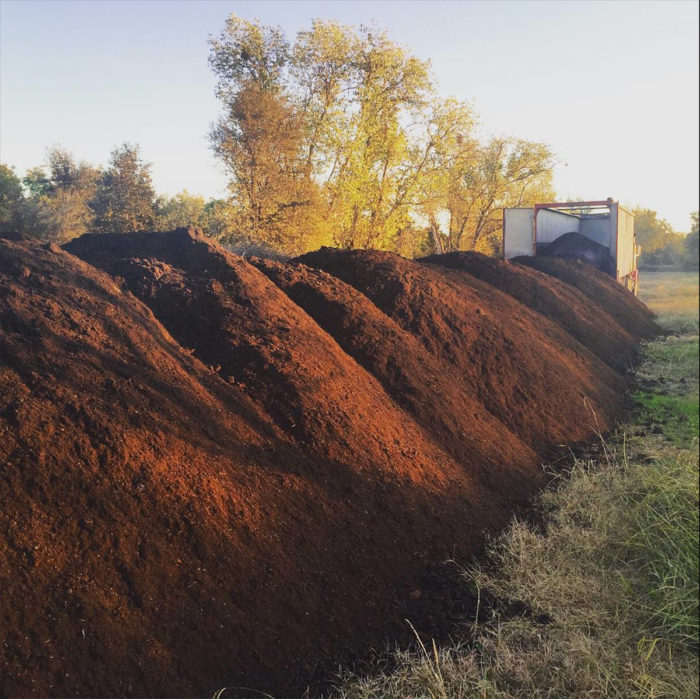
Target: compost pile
<point x="576" y="246"/>
<point x="228" y="472"/>
<point x="584" y="317"/>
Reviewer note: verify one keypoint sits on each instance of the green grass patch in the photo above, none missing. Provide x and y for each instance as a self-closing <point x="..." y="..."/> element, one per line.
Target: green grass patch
<point x="676" y="417"/>
<point x="671" y="359"/>
<point x="667" y="381"/>
<point x="661" y="549"/>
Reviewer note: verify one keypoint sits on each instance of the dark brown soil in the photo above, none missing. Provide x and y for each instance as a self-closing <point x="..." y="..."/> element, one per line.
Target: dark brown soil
<point x="576" y="246"/>
<point x="547" y="387"/>
<point x="216" y="473"/>
<point x="602" y="290"/>
<point x="554" y="299"/>
<point x="428" y="389"/>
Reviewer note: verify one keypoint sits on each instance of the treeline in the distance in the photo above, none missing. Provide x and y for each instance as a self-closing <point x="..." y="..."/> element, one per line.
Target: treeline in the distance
<point x="335" y="138"/>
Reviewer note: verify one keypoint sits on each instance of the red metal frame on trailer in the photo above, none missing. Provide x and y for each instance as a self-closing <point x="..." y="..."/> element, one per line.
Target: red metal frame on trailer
<point x="584" y="209"/>
<point x="574" y="204"/>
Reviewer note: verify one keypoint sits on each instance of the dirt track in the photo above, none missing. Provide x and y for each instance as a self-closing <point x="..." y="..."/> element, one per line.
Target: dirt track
<point x="218" y="471"/>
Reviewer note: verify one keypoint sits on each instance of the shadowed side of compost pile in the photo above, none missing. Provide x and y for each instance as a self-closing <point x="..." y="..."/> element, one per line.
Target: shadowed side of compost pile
<point x="428" y="389"/>
<point x="220" y="472"/>
<point x="589" y="323"/>
<point x="547" y="387"/>
<point x="162" y="535"/>
<point x="601" y="290"/>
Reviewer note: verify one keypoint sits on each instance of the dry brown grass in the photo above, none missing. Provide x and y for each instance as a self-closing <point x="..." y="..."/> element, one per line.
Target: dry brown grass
<point x="592" y="629"/>
<point x="610" y="588"/>
<point x="673" y="296"/>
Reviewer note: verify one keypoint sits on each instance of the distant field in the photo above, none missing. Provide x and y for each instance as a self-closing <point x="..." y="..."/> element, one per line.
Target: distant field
<point x="673" y="296"/>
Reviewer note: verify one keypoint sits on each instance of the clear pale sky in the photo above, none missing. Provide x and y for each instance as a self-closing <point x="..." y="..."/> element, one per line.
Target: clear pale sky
<point x="611" y="86"/>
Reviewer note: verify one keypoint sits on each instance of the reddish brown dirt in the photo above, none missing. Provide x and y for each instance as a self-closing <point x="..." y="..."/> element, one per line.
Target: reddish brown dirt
<point x="602" y="290"/>
<point x="428" y="389"/>
<point x="238" y="321"/>
<point x="525" y="369"/>
<point x="554" y="299"/>
<point x="209" y="479"/>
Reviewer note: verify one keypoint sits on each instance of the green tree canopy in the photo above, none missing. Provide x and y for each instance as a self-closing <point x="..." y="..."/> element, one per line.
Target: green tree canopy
<point x="124" y="199"/>
<point x="11" y="200"/>
<point x="62" y="199"/>
<point x="184" y="209"/>
<point x="659" y="242"/>
<point x="56" y="205"/>
<point x="247" y="53"/>
<point x="651" y="231"/>
<point x="692" y="243"/>
<point x="339" y="137"/>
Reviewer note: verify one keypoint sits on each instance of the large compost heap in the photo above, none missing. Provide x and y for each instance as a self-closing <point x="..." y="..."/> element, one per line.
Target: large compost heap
<point x="223" y="472"/>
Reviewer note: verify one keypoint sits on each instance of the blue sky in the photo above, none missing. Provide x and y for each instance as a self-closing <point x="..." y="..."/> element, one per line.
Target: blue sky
<point x="611" y="86"/>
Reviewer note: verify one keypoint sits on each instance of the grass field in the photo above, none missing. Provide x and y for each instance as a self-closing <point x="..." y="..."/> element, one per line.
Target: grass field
<point x="673" y="296"/>
<point x="608" y="587"/>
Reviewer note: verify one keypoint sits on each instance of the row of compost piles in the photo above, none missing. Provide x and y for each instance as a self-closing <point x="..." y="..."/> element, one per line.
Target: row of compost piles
<point x="226" y="472"/>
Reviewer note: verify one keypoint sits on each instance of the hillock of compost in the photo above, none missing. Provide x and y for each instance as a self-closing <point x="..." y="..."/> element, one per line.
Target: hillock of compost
<point x="224" y="471"/>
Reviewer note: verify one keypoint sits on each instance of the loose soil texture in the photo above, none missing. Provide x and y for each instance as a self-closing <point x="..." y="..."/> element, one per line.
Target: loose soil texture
<point x="226" y="472"/>
<point x="589" y="323"/>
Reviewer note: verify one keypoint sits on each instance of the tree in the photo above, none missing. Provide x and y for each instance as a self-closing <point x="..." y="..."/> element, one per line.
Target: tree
<point x="660" y="244"/>
<point x="182" y="210"/>
<point x="11" y="201"/>
<point x="260" y="139"/>
<point x="323" y="65"/>
<point x="338" y="137"/>
<point x="124" y="200"/>
<point x="219" y="220"/>
<point x="62" y="199"/>
<point x="509" y="172"/>
<point x="56" y="206"/>
<point x="247" y="53"/>
<point x="36" y="182"/>
<point x="476" y="181"/>
<point x="692" y="242"/>
<point x="451" y="150"/>
<point x="375" y="165"/>
<point x="652" y="233"/>
<point x="260" y="143"/>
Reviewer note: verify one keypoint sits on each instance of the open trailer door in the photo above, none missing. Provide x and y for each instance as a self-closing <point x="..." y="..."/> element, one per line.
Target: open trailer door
<point x="518" y="232"/>
<point x="626" y="249"/>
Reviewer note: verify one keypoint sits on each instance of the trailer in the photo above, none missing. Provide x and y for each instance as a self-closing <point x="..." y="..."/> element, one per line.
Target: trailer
<point x="600" y="233"/>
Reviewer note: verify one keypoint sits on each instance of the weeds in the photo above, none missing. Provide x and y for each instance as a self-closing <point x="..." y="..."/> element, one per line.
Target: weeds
<point x="609" y="591"/>
<point x="610" y="588"/>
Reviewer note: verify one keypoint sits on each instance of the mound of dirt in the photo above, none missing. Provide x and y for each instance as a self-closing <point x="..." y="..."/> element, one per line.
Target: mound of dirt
<point x="602" y="290"/>
<point x="561" y="303"/>
<point x="219" y="472"/>
<point x="236" y="320"/>
<point x="427" y="388"/>
<point x="575" y="246"/>
<point x="162" y="536"/>
<point x="525" y="370"/>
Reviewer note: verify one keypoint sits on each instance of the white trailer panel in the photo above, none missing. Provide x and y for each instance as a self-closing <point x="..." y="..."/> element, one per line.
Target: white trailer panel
<point x="626" y="244"/>
<point x="553" y="224"/>
<point x="598" y="228"/>
<point x="518" y="232"/>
